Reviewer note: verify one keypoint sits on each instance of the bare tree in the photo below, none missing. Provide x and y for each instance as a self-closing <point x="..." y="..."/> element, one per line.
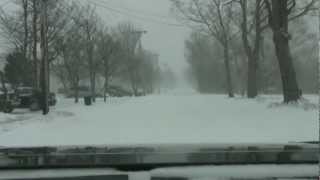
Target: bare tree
<point x="205" y="57"/>
<point x="3" y="84"/>
<point x="25" y="26"/>
<point x="280" y="13"/>
<point x="240" y="61"/>
<point x="129" y="38"/>
<point x="71" y="63"/>
<point x="213" y="19"/>
<point x="35" y="43"/>
<point x="148" y="71"/>
<point x="59" y="70"/>
<point x="44" y="58"/>
<point x="252" y="49"/>
<point x="12" y="29"/>
<point x="107" y="47"/>
<point x="88" y="21"/>
<point x="23" y="32"/>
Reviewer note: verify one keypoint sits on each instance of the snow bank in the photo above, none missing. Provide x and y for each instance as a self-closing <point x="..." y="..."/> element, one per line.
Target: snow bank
<point x="163" y="119"/>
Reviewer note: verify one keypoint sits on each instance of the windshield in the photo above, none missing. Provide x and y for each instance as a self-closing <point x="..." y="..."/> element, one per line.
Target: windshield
<point x="157" y="72"/>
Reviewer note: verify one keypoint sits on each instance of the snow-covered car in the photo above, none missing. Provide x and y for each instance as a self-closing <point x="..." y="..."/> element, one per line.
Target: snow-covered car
<point x="31" y="98"/>
<point x="82" y="92"/>
<point x="5" y="105"/>
<point x="117" y="91"/>
<point x="25" y="96"/>
<point x="8" y="101"/>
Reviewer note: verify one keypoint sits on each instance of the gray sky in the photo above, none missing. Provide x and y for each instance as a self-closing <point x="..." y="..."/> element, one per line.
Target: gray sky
<point x="154" y="17"/>
<point x="150" y="15"/>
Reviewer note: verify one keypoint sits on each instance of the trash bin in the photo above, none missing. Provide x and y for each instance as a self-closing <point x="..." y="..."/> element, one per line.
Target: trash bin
<point x="87" y="100"/>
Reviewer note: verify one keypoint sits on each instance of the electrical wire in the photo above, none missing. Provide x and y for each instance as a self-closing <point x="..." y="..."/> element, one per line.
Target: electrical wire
<point x="152" y="20"/>
<point x="5" y="3"/>
<point x="144" y="13"/>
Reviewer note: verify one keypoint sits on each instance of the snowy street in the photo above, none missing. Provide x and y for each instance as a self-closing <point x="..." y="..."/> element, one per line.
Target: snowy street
<point x="158" y="119"/>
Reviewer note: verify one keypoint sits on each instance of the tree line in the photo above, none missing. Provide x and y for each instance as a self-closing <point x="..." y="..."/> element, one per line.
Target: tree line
<point x="255" y="45"/>
<point x="81" y="47"/>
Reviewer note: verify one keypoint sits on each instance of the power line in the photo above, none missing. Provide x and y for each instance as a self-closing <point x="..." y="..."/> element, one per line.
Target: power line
<point x="133" y="15"/>
<point x="5" y="3"/>
<point x="156" y="21"/>
<point x="145" y="13"/>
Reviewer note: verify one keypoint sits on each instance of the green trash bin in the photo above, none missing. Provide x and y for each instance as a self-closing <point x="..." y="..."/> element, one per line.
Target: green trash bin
<point x="88" y="100"/>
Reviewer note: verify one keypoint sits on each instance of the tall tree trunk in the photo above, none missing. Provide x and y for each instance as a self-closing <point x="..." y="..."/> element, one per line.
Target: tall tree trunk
<point x="3" y="85"/>
<point x="106" y="81"/>
<point x="252" y="90"/>
<point x="257" y="48"/>
<point x="261" y="84"/>
<point x="35" y="45"/>
<point x="133" y="84"/>
<point x="133" y="81"/>
<point x="25" y="26"/>
<point x="76" y="96"/>
<point x="241" y="72"/>
<point x="44" y="61"/>
<point x="252" y="53"/>
<point x="290" y="86"/>
<point x="91" y="64"/>
<point x="228" y="70"/>
<point x="106" y="88"/>
<point x="281" y="38"/>
<point x="64" y="84"/>
<point x="76" y="91"/>
<point x="225" y="44"/>
<point x="93" y="86"/>
<point x="92" y="78"/>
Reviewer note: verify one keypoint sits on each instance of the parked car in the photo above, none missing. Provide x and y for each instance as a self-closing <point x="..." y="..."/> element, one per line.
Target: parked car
<point x="8" y="99"/>
<point x="6" y="105"/>
<point x="31" y="98"/>
<point x="52" y="99"/>
<point x="25" y="95"/>
<point x="117" y="91"/>
<point x="82" y="92"/>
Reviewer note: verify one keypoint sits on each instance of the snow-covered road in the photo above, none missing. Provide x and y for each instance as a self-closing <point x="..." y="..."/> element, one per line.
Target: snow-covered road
<point x="181" y="119"/>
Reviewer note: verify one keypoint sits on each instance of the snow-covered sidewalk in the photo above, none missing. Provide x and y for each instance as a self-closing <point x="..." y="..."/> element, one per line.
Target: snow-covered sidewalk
<point x="162" y="119"/>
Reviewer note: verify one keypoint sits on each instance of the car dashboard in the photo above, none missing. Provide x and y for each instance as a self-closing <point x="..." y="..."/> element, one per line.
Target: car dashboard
<point x="162" y="162"/>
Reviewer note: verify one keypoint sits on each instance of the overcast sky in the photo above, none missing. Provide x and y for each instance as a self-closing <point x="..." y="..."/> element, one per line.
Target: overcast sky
<point x="163" y="36"/>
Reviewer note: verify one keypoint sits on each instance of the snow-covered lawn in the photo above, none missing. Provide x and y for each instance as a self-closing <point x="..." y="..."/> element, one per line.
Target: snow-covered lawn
<point x="163" y="119"/>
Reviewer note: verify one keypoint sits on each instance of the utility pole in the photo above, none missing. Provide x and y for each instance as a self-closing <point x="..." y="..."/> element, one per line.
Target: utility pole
<point x="136" y="40"/>
<point x="319" y="83"/>
<point x="44" y="59"/>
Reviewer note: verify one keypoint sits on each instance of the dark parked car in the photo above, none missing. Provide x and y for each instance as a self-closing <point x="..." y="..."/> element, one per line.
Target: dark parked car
<point x="31" y="98"/>
<point x="52" y="99"/>
<point x="8" y="101"/>
<point x="25" y="96"/>
<point x="6" y="105"/>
